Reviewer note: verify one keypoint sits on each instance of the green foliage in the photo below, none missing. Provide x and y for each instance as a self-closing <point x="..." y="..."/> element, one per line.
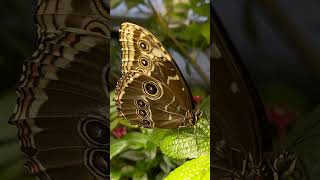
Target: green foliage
<point x="135" y="155"/>
<point x="195" y="169"/>
<point x="303" y="139"/>
<point x="185" y="143"/>
<point x="11" y="163"/>
<point x="142" y="153"/>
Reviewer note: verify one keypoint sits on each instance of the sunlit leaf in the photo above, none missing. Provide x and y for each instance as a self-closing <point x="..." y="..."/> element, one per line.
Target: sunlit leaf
<point x="116" y="147"/>
<point x="195" y="169"/>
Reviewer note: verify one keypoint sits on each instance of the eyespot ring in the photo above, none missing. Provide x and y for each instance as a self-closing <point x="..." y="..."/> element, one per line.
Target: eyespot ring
<point x="140" y="103"/>
<point x="152" y="90"/>
<point x="143" y="45"/>
<point x="146" y="123"/>
<point x="145" y="63"/>
<point x="143" y="113"/>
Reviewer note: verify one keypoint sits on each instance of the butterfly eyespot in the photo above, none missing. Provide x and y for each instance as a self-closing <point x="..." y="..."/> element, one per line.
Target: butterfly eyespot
<point x="142" y="112"/>
<point x="143" y="45"/>
<point x="144" y="62"/>
<point x="97" y="161"/>
<point x="94" y="131"/>
<point x="140" y="103"/>
<point x="152" y="90"/>
<point x="146" y="122"/>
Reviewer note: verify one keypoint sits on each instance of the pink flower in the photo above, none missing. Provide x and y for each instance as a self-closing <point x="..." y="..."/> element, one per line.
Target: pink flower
<point x="119" y="131"/>
<point x="197" y="99"/>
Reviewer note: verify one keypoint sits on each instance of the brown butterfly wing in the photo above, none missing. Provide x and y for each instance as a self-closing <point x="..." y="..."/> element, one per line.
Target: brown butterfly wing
<point x="238" y="113"/>
<point x="143" y="53"/>
<point x="157" y="106"/>
<point x="62" y="109"/>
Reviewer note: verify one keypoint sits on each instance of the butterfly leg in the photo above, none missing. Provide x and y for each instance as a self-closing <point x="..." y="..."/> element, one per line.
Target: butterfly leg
<point x="195" y="134"/>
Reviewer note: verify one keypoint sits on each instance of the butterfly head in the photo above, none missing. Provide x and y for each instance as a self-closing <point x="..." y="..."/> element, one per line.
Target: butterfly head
<point x="191" y="118"/>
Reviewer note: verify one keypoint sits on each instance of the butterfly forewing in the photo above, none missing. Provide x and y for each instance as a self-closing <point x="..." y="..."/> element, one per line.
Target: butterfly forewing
<point x="62" y="106"/>
<point x="146" y="65"/>
<point x="238" y="112"/>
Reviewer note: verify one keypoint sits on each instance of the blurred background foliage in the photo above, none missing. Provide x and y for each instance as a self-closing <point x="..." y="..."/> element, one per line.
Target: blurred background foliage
<point x="183" y="28"/>
<point x="18" y="41"/>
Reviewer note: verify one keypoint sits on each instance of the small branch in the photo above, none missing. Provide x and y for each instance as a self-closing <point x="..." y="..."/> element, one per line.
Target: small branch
<point x="181" y="49"/>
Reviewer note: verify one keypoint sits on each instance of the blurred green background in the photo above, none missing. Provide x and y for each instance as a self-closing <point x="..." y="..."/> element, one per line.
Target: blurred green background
<point x="18" y="37"/>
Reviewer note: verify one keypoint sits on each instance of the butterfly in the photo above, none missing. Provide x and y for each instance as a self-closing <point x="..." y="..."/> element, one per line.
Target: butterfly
<point x="62" y="106"/>
<point x="152" y="91"/>
<point x="241" y="134"/>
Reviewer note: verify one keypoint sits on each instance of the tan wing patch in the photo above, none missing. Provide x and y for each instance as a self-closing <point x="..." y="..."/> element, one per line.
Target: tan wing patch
<point x="136" y="42"/>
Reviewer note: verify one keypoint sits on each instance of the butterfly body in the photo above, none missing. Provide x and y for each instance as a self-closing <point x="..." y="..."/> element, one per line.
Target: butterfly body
<point x="152" y="91"/>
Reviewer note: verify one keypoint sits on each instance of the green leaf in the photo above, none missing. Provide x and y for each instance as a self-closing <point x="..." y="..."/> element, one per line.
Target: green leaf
<point x="205" y="31"/>
<point x="205" y="106"/>
<point x="133" y="155"/>
<point x="196" y="33"/>
<point x="203" y="9"/>
<point x="151" y="150"/>
<point x="187" y="142"/>
<point x="131" y="4"/>
<point x="116" y="147"/>
<point x="115" y="174"/>
<point x="136" y="140"/>
<point x="196" y="169"/>
<point x="304" y="140"/>
<point x="114" y="123"/>
<point x="140" y="176"/>
<point x="157" y="135"/>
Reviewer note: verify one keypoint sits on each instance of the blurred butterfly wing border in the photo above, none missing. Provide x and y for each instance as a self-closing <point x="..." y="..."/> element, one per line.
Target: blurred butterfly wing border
<point x="239" y="118"/>
<point x="62" y="107"/>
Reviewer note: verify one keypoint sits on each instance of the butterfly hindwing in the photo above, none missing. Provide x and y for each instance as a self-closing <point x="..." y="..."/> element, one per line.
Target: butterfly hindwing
<point x="148" y="102"/>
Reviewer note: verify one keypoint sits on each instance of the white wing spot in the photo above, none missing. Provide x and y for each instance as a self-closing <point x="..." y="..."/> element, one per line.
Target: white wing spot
<point x="234" y="87"/>
<point x="176" y="77"/>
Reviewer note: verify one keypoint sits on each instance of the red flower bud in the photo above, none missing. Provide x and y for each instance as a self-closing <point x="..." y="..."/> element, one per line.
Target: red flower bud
<point x="197" y="99"/>
<point x="280" y="116"/>
<point x="120" y="131"/>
